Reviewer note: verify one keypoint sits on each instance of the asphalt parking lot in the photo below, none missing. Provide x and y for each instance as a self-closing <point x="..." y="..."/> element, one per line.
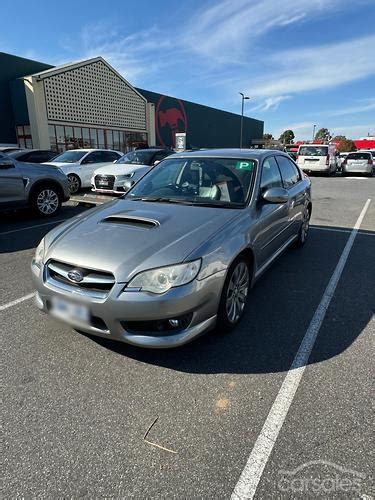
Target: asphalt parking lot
<point x="230" y="416"/>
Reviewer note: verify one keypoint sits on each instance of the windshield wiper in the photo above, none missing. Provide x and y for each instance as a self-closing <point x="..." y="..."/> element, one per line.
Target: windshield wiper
<point x="161" y="200"/>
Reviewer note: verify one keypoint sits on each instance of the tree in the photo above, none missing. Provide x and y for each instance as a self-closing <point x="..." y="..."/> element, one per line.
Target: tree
<point x="346" y="145"/>
<point x="287" y="137"/>
<point x="323" y="134"/>
<point x="268" y="138"/>
<point x="339" y="138"/>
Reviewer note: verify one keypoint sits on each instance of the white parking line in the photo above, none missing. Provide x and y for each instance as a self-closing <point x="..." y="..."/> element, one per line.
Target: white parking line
<point x="32" y="227"/>
<point x="340" y="230"/>
<point x="248" y="482"/>
<point x="17" y="301"/>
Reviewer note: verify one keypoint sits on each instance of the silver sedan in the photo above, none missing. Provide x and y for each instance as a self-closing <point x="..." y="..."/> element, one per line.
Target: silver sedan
<point x="178" y="254"/>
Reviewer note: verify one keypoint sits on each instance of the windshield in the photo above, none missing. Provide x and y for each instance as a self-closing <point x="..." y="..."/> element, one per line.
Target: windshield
<point x="17" y="152"/>
<point x="198" y="181"/>
<point x="359" y="156"/>
<point x="137" y="157"/>
<point x="313" y="151"/>
<point x="70" y="156"/>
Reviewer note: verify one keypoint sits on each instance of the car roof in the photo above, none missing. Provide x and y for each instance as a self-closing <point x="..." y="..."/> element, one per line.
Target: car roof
<point x="231" y="153"/>
<point x="148" y="149"/>
<point x="86" y="150"/>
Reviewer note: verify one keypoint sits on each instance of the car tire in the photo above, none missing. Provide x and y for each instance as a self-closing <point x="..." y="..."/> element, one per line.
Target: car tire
<point x="234" y="295"/>
<point x="304" y="229"/>
<point x="46" y="200"/>
<point x="74" y="183"/>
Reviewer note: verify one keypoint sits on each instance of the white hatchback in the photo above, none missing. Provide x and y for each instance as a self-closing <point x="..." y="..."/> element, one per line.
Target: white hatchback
<point x="80" y="164"/>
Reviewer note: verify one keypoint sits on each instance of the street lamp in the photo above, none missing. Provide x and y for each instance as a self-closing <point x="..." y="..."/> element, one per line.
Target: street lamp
<point x="313" y="137"/>
<point x="243" y="97"/>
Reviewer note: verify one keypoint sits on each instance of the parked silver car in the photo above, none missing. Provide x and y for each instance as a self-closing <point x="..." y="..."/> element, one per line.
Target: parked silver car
<point x="32" y="185"/>
<point x="361" y="162"/>
<point x="179" y="252"/>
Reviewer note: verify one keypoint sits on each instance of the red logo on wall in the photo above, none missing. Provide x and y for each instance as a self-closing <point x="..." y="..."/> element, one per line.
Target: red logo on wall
<point x="170" y="118"/>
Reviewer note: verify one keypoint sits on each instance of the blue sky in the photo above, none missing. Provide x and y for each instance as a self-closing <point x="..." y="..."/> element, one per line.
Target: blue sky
<point x="302" y="62"/>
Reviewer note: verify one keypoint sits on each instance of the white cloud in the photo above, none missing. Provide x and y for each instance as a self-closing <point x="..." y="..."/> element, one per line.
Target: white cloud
<point x="304" y="130"/>
<point x="363" y="106"/>
<point x="225" y="31"/>
<point x="313" y="68"/>
<point x="270" y="103"/>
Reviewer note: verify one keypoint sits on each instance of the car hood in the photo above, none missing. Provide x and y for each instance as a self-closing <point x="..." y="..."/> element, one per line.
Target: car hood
<point x="126" y="237"/>
<point x="119" y="168"/>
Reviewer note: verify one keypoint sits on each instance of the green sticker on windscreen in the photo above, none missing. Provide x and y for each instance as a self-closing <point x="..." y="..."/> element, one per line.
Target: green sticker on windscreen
<point x="245" y="165"/>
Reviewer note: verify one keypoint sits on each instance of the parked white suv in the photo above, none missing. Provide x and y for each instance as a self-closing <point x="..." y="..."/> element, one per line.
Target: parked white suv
<point x="317" y="158"/>
<point x="80" y="164"/>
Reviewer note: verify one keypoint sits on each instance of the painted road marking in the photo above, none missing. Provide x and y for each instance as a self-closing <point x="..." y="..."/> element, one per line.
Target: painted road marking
<point x="248" y="482"/>
<point x="340" y="230"/>
<point x="32" y="227"/>
<point x="17" y="301"/>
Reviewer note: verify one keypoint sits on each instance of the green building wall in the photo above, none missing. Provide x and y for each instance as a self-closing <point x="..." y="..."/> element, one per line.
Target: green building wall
<point x="11" y="96"/>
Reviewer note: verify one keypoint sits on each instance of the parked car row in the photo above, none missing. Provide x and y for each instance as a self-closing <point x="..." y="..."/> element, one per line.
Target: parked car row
<point x="324" y="158"/>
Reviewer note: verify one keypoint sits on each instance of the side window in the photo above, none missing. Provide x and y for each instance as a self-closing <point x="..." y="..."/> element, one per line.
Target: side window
<point x="160" y="156"/>
<point x="289" y="172"/>
<point x="90" y="158"/>
<point x="110" y="156"/>
<point x="270" y="175"/>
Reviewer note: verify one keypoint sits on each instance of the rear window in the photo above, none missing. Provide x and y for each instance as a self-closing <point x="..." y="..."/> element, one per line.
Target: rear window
<point x="313" y="151"/>
<point x="359" y="156"/>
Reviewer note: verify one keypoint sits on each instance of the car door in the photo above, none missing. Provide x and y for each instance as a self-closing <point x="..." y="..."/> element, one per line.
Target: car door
<point x="93" y="161"/>
<point x="12" y="184"/>
<point x="291" y="177"/>
<point x="272" y="218"/>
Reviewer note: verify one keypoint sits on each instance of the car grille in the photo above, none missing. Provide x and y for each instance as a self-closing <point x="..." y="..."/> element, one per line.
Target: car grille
<point x="94" y="283"/>
<point x="104" y="181"/>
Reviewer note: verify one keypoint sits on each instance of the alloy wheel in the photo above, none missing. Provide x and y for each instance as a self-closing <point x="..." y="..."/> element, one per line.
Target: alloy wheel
<point x="237" y="292"/>
<point x="47" y="202"/>
<point x="73" y="183"/>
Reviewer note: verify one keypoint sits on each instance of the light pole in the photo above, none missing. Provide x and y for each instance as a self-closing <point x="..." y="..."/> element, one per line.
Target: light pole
<point x="243" y="97"/>
<point x="313" y="137"/>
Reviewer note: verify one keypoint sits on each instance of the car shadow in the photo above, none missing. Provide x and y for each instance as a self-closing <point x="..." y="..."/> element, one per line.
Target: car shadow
<point x="22" y="230"/>
<point x="279" y="311"/>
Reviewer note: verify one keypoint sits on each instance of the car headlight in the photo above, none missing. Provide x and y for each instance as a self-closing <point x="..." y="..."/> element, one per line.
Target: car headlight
<point x="162" y="279"/>
<point x="124" y="177"/>
<point x="39" y="254"/>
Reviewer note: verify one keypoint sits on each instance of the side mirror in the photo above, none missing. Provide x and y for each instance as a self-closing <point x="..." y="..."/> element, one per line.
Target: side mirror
<point x="128" y="185"/>
<point x="276" y="195"/>
<point x="5" y="164"/>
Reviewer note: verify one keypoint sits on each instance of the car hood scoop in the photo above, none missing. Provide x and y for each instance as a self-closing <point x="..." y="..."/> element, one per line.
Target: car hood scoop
<point x="130" y="220"/>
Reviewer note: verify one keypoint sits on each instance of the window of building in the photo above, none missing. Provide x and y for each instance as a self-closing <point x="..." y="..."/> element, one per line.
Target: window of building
<point x="24" y="136"/>
<point x="63" y="138"/>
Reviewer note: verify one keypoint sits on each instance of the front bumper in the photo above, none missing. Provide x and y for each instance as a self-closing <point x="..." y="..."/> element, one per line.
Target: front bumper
<point x="200" y="298"/>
